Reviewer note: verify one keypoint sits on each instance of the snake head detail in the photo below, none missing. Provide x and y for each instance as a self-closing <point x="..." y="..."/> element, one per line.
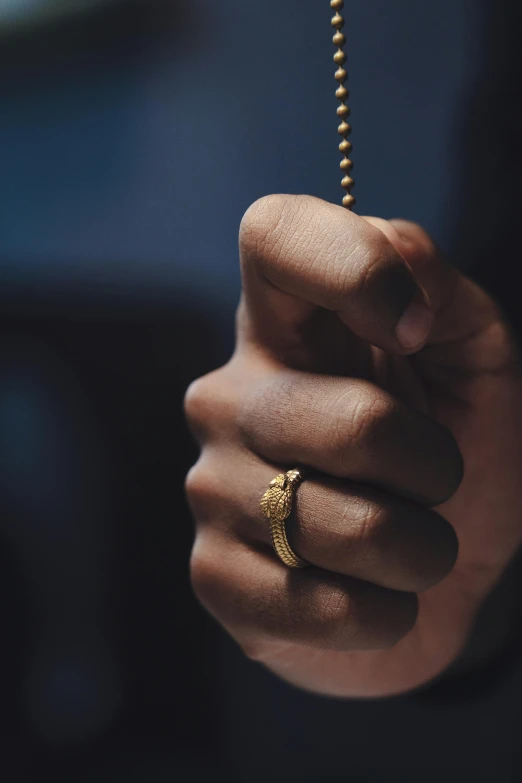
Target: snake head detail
<point x="278" y="499"/>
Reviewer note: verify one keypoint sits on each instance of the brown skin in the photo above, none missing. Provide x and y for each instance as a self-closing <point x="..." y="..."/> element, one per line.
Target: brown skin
<point x="320" y="379"/>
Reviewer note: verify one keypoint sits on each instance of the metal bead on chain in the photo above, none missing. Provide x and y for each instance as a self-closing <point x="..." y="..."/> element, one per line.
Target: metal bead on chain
<point x="343" y="112"/>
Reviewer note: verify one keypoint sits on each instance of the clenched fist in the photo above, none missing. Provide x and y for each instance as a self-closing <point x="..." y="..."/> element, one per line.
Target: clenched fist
<point x="364" y="357"/>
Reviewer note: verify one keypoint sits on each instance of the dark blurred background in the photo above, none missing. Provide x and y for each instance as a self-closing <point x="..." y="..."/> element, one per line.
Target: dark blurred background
<point x="133" y="136"/>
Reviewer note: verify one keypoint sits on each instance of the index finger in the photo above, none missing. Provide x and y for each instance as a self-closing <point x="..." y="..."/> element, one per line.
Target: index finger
<point x="299" y="253"/>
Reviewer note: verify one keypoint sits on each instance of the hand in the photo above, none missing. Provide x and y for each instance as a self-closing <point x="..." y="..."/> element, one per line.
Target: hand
<point x="363" y="355"/>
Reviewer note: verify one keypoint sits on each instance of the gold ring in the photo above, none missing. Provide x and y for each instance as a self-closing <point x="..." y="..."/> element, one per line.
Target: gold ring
<point x="276" y="505"/>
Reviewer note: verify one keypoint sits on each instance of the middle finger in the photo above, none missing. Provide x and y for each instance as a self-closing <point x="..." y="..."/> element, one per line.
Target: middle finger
<point x="350" y="428"/>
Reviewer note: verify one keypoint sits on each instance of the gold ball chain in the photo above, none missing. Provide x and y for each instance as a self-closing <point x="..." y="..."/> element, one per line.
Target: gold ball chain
<point x="343" y="112"/>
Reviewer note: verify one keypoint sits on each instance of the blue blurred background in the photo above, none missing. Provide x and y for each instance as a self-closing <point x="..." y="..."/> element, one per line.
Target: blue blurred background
<point x="132" y="139"/>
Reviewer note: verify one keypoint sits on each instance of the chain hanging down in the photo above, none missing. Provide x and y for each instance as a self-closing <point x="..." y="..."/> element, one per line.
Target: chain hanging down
<point x="343" y="112"/>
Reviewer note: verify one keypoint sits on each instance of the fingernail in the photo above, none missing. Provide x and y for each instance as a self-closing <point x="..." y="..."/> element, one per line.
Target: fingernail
<point x="415" y="324"/>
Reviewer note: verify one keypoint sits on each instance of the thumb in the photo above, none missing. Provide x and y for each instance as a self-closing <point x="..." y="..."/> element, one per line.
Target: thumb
<point x="436" y="276"/>
<point x="461" y="308"/>
<point x="301" y="256"/>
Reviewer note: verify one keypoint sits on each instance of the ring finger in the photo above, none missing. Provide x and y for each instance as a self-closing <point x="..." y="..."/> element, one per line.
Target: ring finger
<point x="336" y="525"/>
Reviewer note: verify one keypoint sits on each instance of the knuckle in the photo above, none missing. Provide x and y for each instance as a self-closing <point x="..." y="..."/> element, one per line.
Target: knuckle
<point x="370" y="413"/>
<point x="336" y="621"/>
<point x="210" y="403"/>
<point x="210" y="495"/>
<point x="199" y="400"/>
<point x="259" y="223"/>
<point x="262" y="229"/>
<point x="206" y="575"/>
<point x="422" y="546"/>
<point x="200" y="489"/>
<point x="371" y="618"/>
<point x="369" y="524"/>
<point x="193" y="482"/>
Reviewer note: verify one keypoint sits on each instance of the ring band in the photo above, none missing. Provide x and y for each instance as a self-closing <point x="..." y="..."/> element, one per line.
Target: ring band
<point x="276" y="505"/>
